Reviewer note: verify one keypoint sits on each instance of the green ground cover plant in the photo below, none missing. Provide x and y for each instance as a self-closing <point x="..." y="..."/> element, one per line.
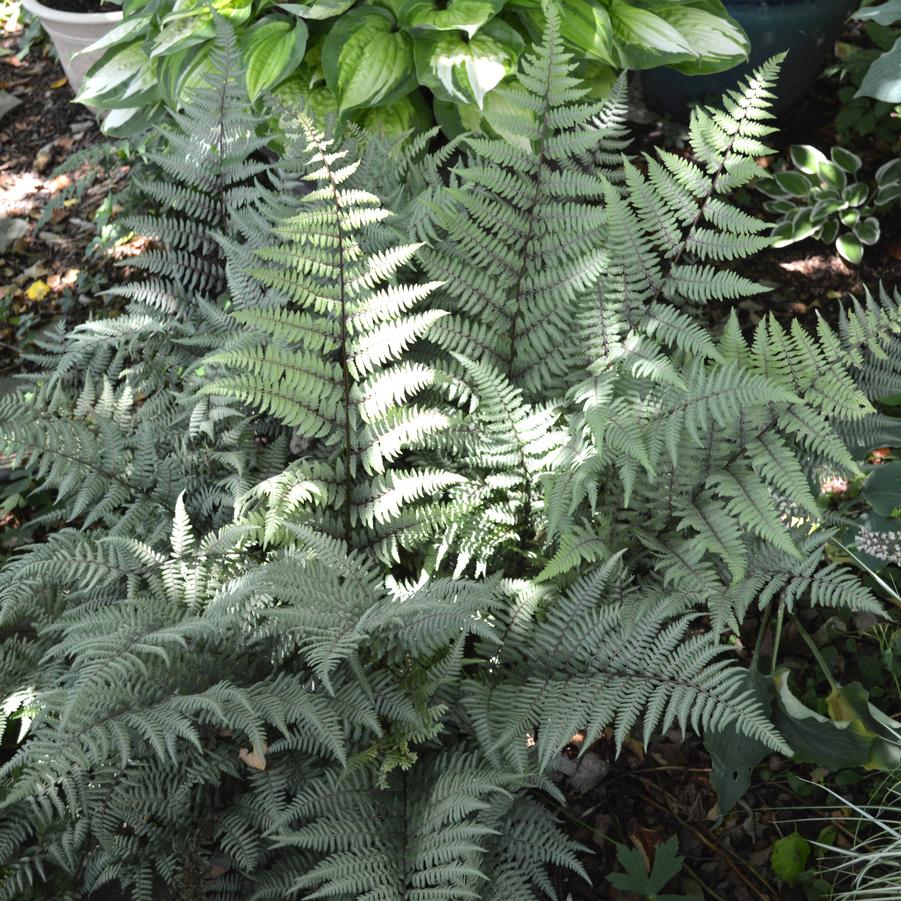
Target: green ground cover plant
<point x="392" y="65"/>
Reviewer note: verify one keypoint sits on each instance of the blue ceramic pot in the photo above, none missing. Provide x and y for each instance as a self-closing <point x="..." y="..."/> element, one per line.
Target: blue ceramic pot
<point x="807" y="29"/>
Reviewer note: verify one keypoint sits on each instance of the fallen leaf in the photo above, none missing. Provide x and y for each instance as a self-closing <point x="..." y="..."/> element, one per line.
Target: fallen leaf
<point x="36" y="270"/>
<point x="252" y="759"/>
<point x="60" y="183"/>
<point x="37" y="290"/>
<point x="60" y="82"/>
<point x="43" y="158"/>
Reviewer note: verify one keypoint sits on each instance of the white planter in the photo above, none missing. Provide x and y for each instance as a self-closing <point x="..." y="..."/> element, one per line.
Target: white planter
<point x="72" y="32"/>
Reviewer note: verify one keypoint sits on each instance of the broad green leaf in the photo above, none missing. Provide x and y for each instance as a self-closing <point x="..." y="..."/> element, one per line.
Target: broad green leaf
<point x="181" y="74"/>
<point x="179" y="34"/>
<point x="645" y="40"/>
<point x="636" y="878"/>
<point x="366" y="61"/>
<point x="409" y="114"/>
<point x="829" y="232"/>
<point x="856" y="194"/>
<point x="883" y="78"/>
<point x="465" y="71"/>
<point x="849" y="248"/>
<point x="272" y="48"/>
<point x="122" y="123"/>
<point x="883" y="14"/>
<point x="112" y="71"/>
<point x="313" y="97"/>
<point x="789" y="857"/>
<point x="802" y="225"/>
<point x="793" y="183"/>
<point x="142" y="88"/>
<point x="733" y="756"/>
<point x="320" y="9"/>
<point x="832" y="174"/>
<point x="882" y="489"/>
<point x="458" y="15"/>
<point x="807" y="158"/>
<point x="846" y="160"/>
<point x="118" y="34"/>
<point x="598" y="78"/>
<point x="718" y="42"/>
<point x="889" y="173"/>
<point x="771" y="188"/>
<point x="854" y="734"/>
<point x="584" y="27"/>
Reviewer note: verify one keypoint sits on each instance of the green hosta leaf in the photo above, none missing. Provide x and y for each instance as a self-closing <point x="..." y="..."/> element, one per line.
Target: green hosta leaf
<point x="598" y="78"/>
<point x="409" y="114"/>
<point x="807" y="158"/>
<point x="854" y="734"/>
<point x="789" y="857"/>
<point x="868" y="231"/>
<point x="889" y="173"/>
<point x="179" y="34"/>
<point x="798" y="228"/>
<point x="832" y="174"/>
<point x="882" y="489"/>
<point x="856" y="194"/>
<point x="850" y="248"/>
<point x="465" y="71"/>
<point x="142" y="88"/>
<point x="272" y="47"/>
<point x="122" y="123"/>
<point x="849" y="217"/>
<point x="458" y="15"/>
<point x="645" y="40"/>
<point x="883" y="79"/>
<point x="771" y="188"/>
<point x="181" y="74"/>
<point x="829" y="232"/>
<point x="117" y="35"/>
<point x="584" y="27"/>
<point x="320" y="9"/>
<point x="315" y="98"/>
<point x="733" y="757"/>
<point x="846" y="160"/>
<point x="366" y="61"/>
<point x="884" y="14"/>
<point x="501" y="115"/>
<point x="717" y="41"/>
<point x="793" y="183"/>
<point x="113" y="70"/>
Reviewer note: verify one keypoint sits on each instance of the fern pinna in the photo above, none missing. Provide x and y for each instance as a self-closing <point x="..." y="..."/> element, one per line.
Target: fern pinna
<point x="352" y="534"/>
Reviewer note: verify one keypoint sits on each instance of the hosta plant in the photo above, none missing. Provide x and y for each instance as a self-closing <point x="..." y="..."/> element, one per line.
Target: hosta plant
<point x="822" y="198"/>
<point x="883" y="77"/>
<point x="386" y="63"/>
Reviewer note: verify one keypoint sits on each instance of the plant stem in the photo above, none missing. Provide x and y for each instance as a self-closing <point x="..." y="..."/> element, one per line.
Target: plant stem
<point x="815" y="651"/>
<point x="780" y="616"/>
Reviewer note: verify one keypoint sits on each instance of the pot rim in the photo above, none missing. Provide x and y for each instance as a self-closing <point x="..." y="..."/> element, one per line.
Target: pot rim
<point x="62" y="16"/>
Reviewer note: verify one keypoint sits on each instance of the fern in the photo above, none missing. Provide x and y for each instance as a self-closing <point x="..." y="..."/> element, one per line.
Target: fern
<point x="519" y="233"/>
<point x="253" y="655"/>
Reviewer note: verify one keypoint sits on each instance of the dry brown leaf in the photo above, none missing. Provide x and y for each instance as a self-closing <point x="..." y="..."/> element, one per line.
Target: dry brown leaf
<point x="59" y="82"/>
<point x="252" y="759"/>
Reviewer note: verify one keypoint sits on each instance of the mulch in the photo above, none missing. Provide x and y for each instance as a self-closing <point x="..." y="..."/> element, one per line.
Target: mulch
<point x="39" y="269"/>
